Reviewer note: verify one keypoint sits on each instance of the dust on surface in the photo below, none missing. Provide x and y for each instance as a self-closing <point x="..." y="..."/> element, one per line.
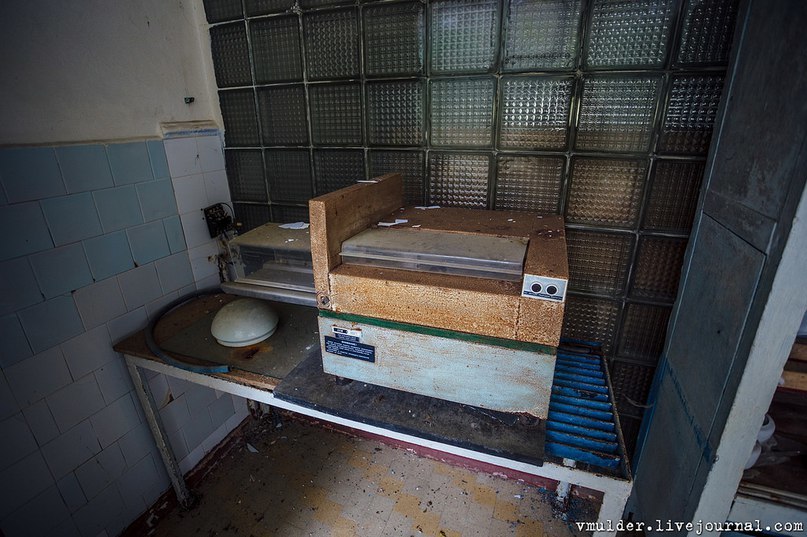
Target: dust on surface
<point x="308" y="481"/>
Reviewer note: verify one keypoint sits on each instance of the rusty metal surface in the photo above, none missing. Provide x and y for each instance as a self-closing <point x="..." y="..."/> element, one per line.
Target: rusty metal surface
<point x="296" y="337"/>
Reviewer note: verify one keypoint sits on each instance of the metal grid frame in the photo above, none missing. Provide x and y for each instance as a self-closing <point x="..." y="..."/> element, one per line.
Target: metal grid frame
<point x="690" y="46"/>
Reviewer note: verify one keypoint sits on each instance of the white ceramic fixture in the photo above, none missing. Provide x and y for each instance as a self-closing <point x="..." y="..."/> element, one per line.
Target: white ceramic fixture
<point x="244" y="322"/>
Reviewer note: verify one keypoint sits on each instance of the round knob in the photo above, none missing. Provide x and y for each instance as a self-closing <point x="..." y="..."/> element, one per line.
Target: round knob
<point x="552" y="290"/>
<point x="536" y="287"/>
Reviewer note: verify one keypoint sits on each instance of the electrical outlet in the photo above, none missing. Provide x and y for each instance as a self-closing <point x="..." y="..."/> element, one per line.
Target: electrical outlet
<point x="217" y="219"/>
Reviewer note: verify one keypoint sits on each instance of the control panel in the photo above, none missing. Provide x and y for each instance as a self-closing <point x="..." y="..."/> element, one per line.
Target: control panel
<point x="544" y="288"/>
<point x="217" y="219"/>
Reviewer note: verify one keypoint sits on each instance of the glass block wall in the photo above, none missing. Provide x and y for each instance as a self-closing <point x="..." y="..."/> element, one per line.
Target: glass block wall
<point x="600" y="110"/>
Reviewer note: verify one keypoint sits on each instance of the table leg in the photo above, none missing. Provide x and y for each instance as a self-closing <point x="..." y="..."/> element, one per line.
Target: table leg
<point x="143" y="390"/>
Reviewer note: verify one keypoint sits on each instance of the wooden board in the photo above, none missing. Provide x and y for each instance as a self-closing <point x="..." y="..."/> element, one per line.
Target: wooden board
<point x="275" y="357"/>
<point x="542" y="320"/>
<point x="798" y="352"/>
<point x="340" y="215"/>
<point x="473" y="305"/>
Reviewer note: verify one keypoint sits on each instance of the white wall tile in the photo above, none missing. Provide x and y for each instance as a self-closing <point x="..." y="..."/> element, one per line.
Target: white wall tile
<point x="201" y="264"/>
<point x="183" y="157"/>
<point x="89" y="351"/>
<point x="17" y="440"/>
<point x="100" y="471"/>
<point x="99" y="302"/>
<point x="38" y="376"/>
<point x="115" y="420"/>
<point x="23" y="481"/>
<point x="72" y="448"/>
<point x="140" y="286"/>
<point x="40" y="420"/>
<point x="123" y="326"/>
<point x="190" y="193"/>
<point x="218" y="190"/>
<point x="113" y="379"/>
<point x="211" y="156"/>
<point x="195" y="228"/>
<point x="136" y="444"/>
<point x="76" y="402"/>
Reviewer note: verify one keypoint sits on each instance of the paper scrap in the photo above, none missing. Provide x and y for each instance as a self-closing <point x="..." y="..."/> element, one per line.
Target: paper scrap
<point x="295" y="225"/>
<point x="251" y="448"/>
<point x="423" y="208"/>
<point x="366" y="181"/>
<point x="416" y="225"/>
<point x="397" y="221"/>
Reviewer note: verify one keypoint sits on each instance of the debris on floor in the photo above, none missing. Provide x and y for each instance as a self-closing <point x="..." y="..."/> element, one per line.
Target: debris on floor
<point x="304" y="480"/>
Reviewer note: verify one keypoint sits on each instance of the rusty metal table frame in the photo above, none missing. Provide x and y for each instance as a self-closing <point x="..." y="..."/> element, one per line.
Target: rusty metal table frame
<point x="615" y="490"/>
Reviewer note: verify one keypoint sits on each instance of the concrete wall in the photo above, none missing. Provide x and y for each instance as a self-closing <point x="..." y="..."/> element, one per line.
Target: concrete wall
<point x="101" y="232"/>
<point x="97" y="70"/>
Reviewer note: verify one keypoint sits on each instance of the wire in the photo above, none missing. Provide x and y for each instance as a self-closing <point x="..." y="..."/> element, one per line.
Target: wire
<point x="159" y="352"/>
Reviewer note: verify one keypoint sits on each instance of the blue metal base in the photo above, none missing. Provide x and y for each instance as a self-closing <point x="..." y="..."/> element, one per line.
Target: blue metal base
<point x="582" y="424"/>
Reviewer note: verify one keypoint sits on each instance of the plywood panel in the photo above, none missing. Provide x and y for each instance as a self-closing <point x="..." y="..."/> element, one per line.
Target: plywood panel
<point x="340" y="215"/>
<point x="473" y="305"/>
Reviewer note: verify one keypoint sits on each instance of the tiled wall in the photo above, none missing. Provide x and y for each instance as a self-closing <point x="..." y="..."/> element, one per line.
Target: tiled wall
<point x="97" y="239"/>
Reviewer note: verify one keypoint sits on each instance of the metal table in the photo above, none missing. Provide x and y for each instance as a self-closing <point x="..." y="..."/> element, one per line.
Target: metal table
<point x="583" y="442"/>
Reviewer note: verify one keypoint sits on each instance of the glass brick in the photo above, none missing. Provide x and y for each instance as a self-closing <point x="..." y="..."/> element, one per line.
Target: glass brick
<point x="691" y="112"/>
<point x="644" y="330"/>
<point x="673" y="196"/>
<point x="250" y="216"/>
<point x="222" y="10"/>
<point x="395" y="112"/>
<point x="331" y="44"/>
<point x="591" y="319"/>
<point x="393" y="39"/>
<point x="535" y="112"/>
<point x="631" y="383"/>
<point x="276" y="49"/>
<point x="228" y="46"/>
<point x="527" y="183"/>
<point x="245" y="174"/>
<point x="337" y="169"/>
<point x="459" y="179"/>
<point x="598" y="262"/>
<point x="462" y="111"/>
<point x="658" y="268"/>
<point x="305" y="4"/>
<point x="289" y="173"/>
<point x="240" y="117"/>
<point x="630" y="33"/>
<point x="605" y="192"/>
<point x="617" y="113"/>
<point x="284" y="214"/>
<point x="336" y="113"/>
<point x="283" y="115"/>
<point x="707" y="32"/>
<point x="464" y="35"/>
<point x="408" y="163"/>
<point x="264" y="7"/>
<point x="542" y="34"/>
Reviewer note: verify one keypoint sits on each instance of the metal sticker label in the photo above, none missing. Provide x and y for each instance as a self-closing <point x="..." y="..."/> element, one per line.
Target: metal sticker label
<point x="544" y="288"/>
<point x="350" y="349"/>
<point x="346" y="334"/>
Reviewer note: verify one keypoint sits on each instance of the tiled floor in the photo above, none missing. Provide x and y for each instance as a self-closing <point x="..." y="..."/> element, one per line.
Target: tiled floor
<point x="305" y="480"/>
